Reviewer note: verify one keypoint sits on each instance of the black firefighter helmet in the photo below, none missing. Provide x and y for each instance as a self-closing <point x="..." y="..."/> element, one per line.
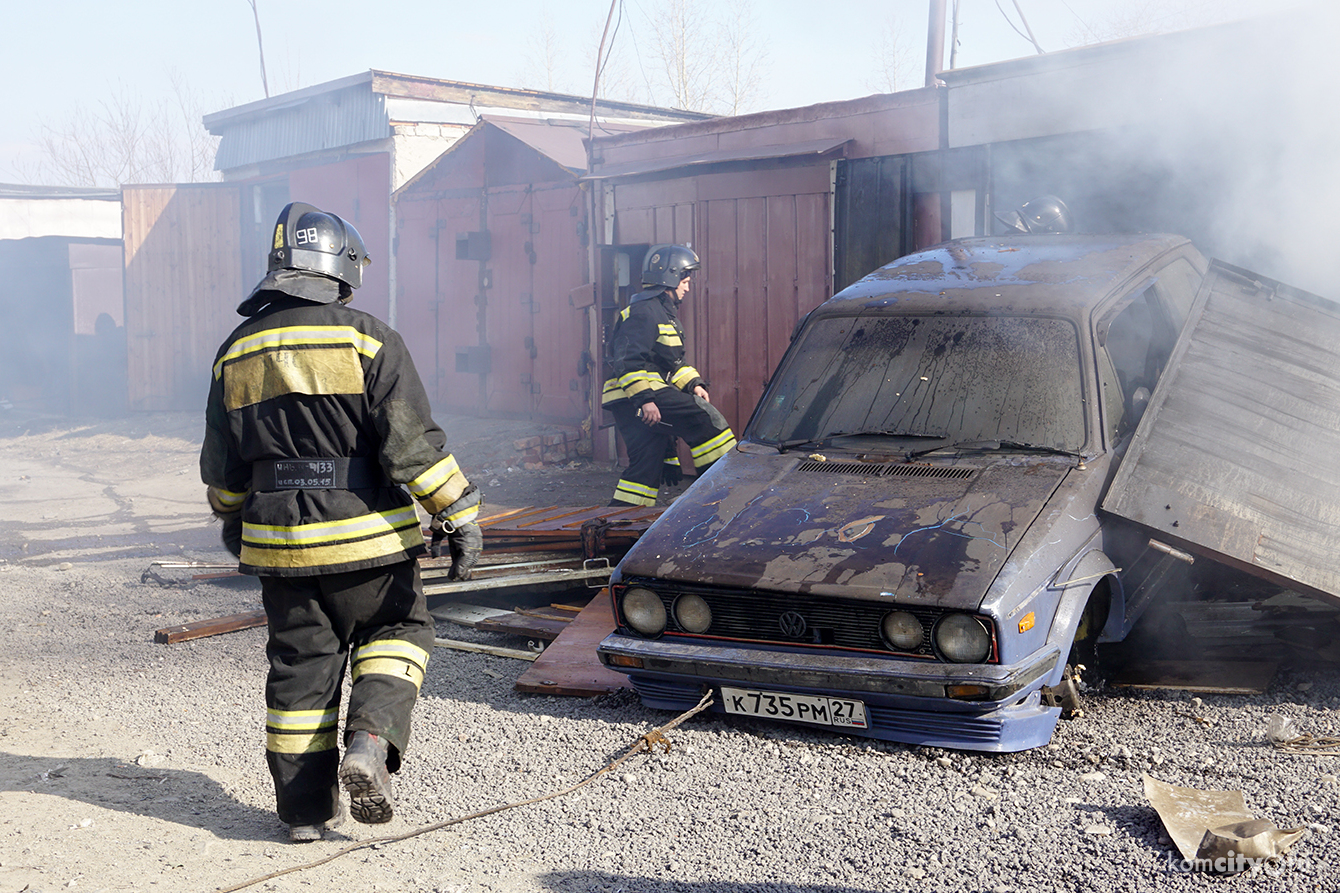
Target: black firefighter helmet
<point x="307" y="238"/>
<point x="667" y="265"/>
<point x="1046" y="214"/>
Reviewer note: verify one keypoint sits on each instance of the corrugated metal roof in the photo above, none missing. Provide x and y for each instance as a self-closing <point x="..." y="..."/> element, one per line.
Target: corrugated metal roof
<point x="315" y="123"/>
<point x="361" y="109"/>
<point x="95" y="193"/>
<point x="752" y="153"/>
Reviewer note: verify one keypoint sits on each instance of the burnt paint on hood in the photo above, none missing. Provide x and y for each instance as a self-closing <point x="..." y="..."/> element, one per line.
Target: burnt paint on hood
<point x="760" y="522"/>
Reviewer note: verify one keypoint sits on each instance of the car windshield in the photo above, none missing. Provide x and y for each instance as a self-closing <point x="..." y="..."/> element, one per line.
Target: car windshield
<point x="962" y="378"/>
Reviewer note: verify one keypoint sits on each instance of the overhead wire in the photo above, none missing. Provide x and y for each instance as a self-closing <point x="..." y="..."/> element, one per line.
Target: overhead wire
<point x="1026" y="36"/>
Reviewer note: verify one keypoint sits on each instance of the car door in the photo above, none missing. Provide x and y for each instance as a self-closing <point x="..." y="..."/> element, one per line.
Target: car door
<point x="1237" y="456"/>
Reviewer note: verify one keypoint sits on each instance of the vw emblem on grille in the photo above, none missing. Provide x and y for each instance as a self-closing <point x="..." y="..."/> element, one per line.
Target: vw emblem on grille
<point x="792" y="624"/>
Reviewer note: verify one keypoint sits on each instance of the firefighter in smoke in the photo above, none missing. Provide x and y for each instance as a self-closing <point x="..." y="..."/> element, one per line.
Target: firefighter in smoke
<point x="1045" y="214"/>
<point x="317" y="424"/>
<point x="652" y="393"/>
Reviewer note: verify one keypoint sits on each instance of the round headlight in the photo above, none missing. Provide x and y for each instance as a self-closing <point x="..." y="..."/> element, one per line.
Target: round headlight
<point x="902" y="631"/>
<point x="644" y="611"/>
<point x="692" y="614"/>
<point x="962" y="639"/>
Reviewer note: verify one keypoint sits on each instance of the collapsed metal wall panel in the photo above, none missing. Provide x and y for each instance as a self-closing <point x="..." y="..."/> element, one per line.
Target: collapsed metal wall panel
<point x="1234" y="456"/>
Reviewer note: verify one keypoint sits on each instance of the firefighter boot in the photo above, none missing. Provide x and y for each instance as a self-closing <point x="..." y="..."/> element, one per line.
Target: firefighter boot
<point x="363" y="774"/>
<point x="309" y="833"/>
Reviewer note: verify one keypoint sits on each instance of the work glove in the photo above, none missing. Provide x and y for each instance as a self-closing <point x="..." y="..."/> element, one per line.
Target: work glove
<point x="465" y="541"/>
<point x="232" y="533"/>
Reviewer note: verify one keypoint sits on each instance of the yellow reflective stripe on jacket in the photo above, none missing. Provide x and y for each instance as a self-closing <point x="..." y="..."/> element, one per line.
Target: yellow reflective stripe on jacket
<point x="635" y="493"/>
<point x="667" y="334"/>
<point x="673" y="460"/>
<point x="439" y="486"/>
<point x="301" y="731"/>
<point x="612" y="392"/>
<point x="640" y="380"/>
<point x="391" y="657"/>
<point x="332" y="543"/>
<point x="324" y="532"/>
<point x="225" y="501"/>
<point x="466" y="515"/>
<point x="712" y="450"/>
<point x="299" y="336"/>
<point x="683" y="375"/>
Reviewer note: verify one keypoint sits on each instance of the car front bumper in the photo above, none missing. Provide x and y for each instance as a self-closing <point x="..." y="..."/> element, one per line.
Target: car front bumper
<point x="906" y="700"/>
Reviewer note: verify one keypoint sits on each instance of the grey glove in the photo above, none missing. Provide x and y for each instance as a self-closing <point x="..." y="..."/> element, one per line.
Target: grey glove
<point x="232" y="532"/>
<point x="465" y="541"/>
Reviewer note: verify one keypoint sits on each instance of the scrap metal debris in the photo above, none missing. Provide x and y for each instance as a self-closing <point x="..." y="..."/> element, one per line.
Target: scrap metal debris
<point x="1214" y="831"/>
<point x="1282" y="733"/>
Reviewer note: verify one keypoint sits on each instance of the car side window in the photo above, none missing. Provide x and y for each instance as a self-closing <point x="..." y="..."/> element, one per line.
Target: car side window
<point x="1139" y="341"/>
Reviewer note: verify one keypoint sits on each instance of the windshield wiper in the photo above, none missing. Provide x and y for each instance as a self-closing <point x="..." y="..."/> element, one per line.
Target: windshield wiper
<point x="998" y="445"/>
<point x="829" y="438"/>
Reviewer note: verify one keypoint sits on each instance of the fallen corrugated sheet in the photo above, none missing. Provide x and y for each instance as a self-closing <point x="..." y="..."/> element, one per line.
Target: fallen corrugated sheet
<point x="1212" y="676"/>
<point x="570" y="666"/>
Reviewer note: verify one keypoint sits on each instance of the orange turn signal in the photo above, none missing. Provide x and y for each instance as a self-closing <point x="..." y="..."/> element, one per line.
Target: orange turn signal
<point x="1027" y="623"/>
<point x="623" y="660"/>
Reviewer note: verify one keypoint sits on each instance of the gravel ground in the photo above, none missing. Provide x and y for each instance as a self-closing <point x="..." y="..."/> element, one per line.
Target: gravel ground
<point x="126" y="765"/>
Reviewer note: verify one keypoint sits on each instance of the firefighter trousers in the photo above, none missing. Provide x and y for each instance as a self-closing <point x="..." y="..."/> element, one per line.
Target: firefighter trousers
<point x="683" y="415"/>
<point x="376" y="621"/>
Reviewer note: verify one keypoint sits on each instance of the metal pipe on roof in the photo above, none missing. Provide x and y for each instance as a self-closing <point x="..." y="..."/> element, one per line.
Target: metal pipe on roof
<point x="935" y="42"/>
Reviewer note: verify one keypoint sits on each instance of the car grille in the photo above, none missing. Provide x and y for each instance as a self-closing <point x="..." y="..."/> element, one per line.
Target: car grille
<point x="774" y="617"/>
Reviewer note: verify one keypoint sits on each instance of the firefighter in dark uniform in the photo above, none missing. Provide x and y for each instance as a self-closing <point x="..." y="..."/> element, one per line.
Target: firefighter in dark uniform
<point x="318" y="432"/>
<point x="652" y="393"/>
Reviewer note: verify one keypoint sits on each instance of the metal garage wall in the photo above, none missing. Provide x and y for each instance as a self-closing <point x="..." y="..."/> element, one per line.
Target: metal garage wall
<point x="356" y="189"/>
<point x="182" y="286"/>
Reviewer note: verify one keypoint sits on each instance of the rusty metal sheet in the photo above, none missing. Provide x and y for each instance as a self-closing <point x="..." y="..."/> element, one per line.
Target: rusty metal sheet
<point x="570" y="665"/>
<point x="557" y="522"/>
<point x="1208" y="676"/>
<point x="1234" y="457"/>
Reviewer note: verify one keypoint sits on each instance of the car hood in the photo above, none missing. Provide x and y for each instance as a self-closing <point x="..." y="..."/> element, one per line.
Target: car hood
<point x="931" y="534"/>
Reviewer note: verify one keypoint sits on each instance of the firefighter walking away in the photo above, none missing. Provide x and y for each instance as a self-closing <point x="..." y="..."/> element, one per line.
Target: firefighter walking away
<point x="318" y="440"/>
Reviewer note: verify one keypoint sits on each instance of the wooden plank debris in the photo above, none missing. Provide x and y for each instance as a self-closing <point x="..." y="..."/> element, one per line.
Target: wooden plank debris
<point x="570" y="665"/>
<point x="201" y="629"/>
<point x="494" y="650"/>
<point x="1207" y="676"/>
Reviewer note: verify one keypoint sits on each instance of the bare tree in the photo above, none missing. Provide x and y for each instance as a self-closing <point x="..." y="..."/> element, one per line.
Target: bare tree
<point x="684" y="48"/>
<point x="542" y="67"/>
<point x="744" y="58"/>
<point x="122" y="140"/>
<point x="701" y="60"/>
<point x="895" y="58"/>
<point x="1136" y="18"/>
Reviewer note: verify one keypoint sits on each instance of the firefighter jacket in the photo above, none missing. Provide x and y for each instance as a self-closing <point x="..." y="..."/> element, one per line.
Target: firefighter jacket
<point x="309" y="381"/>
<point x="646" y="351"/>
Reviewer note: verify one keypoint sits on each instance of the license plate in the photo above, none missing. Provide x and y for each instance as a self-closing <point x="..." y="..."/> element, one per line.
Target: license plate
<point x="796" y="708"/>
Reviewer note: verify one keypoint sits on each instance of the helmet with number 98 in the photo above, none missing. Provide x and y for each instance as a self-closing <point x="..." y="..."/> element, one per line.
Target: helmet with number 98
<point x="307" y="238"/>
<point x="667" y="265"/>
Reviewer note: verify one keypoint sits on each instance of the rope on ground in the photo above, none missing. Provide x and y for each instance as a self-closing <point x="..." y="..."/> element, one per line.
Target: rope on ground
<point x="1314" y="745"/>
<point x="647" y="742"/>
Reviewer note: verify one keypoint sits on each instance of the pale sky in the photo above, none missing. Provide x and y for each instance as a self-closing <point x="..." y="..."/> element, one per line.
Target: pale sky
<point x="66" y="55"/>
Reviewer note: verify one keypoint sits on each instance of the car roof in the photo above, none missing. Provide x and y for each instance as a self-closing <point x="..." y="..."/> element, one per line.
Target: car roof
<point x="1027" y="274"/>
